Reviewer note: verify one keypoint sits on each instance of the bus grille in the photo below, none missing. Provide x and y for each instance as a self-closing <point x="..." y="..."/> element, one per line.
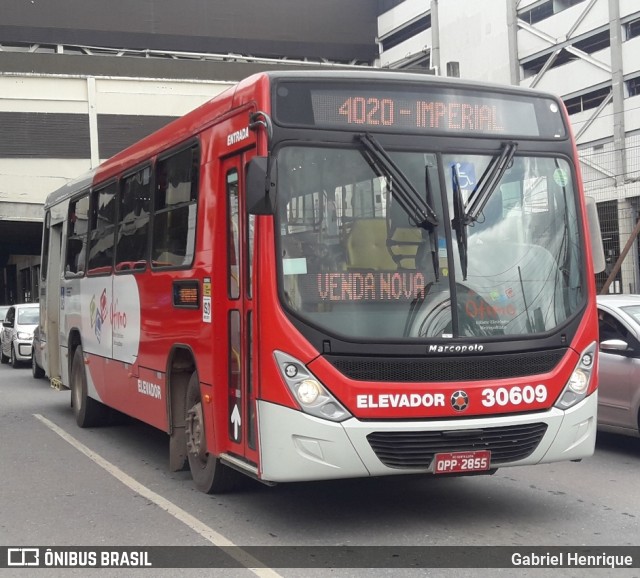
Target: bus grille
<point x="468" y="368"/>
<point x="417" y="449"/>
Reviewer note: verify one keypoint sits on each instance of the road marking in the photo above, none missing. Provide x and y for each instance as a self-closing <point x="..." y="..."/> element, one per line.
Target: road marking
<point x="209" y="534"/>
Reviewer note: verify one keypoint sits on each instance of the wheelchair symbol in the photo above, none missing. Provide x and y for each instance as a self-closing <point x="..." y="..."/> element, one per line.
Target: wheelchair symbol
<point x="465" y="174"/>
<point x="464" y="179"/>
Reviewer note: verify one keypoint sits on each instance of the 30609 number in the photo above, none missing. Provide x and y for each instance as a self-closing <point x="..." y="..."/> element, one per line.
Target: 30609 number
<point x="516" y="395"/>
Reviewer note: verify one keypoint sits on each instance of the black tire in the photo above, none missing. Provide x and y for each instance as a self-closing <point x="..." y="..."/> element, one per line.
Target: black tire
<point x="3" y="357"/>
<point x="87" y="411"/>
<point x="209" y="474"/>
<point x="36" y="370"/>
<point x="12" y="358"/>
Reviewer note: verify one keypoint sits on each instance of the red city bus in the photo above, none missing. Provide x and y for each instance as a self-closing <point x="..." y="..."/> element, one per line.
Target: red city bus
<point x="321" y="275"/>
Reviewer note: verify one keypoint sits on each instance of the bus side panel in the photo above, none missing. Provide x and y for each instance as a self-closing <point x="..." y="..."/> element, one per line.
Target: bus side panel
<point x="148" y="393"/>
<point x="91" y="314"/>
<point x="115" y="384"/>
<point x="70" y="322"/>
<point x="106" y="311"/>
<point x="127" y="358"/>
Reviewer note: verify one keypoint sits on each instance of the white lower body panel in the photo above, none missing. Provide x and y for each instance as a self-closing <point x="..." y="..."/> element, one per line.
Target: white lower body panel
<point x="295" y="446"/>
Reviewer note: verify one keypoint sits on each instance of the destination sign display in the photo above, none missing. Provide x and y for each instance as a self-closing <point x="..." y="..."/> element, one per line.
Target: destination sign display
<point x="361" y="286"/>
<point x="429" y="108"/>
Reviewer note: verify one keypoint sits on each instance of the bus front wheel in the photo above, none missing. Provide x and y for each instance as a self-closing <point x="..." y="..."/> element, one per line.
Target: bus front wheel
<point x="209" y="474"/>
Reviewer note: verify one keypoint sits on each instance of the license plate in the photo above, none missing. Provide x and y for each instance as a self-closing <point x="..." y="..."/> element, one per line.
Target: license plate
<point x="457" y="462"/>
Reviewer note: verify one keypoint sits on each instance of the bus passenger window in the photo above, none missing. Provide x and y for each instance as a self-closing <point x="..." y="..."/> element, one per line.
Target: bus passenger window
<point x="101" y="236"/>
<point x="77" y="227"/>
<point x="133" y="221"/>
<point x="175" y="204"/>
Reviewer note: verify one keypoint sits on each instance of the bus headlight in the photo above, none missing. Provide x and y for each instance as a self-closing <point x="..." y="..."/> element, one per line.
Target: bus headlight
<point x="312" y="396"/>
<point x="578" y="384"/>
<point x="578" y="381"/>
<point x="308" y="391"/>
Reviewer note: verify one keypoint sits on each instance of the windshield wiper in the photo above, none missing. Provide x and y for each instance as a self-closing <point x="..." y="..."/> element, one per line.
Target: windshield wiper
<point x="465" y="214"/>
<point x="488" y="182"/>
<point x="459" y="223"/>
<point x="419" y="211"/>
<point x="412" y="203"/>
<point x="433" y="237"/>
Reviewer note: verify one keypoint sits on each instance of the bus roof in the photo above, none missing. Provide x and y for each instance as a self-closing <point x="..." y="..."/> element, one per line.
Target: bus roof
<point x="400" y="76"/>
<point x="245" y="91"/>
<point x="81" y="183"/>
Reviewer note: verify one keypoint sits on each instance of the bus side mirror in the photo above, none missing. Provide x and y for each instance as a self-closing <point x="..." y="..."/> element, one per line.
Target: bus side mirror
<point x="260" y="189"/>
<point x="595" y="236"/>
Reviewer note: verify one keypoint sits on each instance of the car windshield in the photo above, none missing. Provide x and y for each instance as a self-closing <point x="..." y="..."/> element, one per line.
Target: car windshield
<point x="28" y="316"/>
<point x="354" y="262"/>
<point x="632" y="311"/>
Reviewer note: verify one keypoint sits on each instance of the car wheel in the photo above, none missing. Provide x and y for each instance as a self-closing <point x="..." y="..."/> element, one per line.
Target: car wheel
<point x="36" y="370"/>
<point x="209" y="474"/>
<point x="12" y="358"/>
<point x="87" y="411"/>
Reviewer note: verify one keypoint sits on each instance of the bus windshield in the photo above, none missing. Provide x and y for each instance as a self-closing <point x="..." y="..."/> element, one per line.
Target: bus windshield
<point x="356" y="263"/>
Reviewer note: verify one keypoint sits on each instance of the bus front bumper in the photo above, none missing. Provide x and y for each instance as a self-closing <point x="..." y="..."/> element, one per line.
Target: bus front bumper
<point x="295" y="446"/>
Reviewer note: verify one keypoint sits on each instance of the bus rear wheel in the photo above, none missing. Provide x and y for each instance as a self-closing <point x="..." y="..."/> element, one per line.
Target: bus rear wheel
<point x="36" y="370"/>
<point x="87" y="411"/>
<point x="209" y="474"/>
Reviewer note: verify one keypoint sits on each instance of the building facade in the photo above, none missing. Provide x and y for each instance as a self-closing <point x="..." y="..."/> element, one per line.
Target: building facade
<point x="80" y="81"/>
<point x="585" y="51"/>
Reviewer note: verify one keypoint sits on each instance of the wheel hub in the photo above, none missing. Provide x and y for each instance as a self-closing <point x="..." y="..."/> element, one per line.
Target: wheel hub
<point x="196" y="443"/>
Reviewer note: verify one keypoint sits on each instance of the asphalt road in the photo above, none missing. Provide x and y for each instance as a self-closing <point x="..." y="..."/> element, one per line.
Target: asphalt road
<point x="64" y="486"/>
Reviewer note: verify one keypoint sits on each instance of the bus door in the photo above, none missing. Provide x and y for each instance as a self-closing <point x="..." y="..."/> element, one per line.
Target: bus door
<point x="50" y="300"/>
<point x="240" y="404"/>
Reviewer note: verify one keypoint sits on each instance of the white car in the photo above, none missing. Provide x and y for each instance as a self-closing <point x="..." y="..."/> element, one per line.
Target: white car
<point x="16" y="338"/>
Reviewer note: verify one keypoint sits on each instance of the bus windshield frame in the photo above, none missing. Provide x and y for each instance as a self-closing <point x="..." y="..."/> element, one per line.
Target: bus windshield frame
<point x="523" y="271"/>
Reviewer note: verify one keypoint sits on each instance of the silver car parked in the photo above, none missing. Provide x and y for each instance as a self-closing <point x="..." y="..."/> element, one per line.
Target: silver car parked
<point x="619" y="369"/>
<point x="36" y="355"/>
<point x="16" y="337"/>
